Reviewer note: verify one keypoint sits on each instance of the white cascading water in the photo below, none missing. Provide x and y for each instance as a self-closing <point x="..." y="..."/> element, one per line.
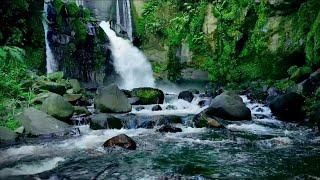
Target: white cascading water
<point x="51" y="65"/>
<point x="129" y="62"/>
<point x="126" y="22"/>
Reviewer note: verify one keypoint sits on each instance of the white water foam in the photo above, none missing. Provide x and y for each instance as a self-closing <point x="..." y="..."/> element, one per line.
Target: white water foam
<point x="31" y="168"/>
<point x="129" y="62"/>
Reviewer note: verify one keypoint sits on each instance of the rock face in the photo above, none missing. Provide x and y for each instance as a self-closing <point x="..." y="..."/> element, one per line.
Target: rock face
<point x="56" y="106"/>
<point x="168" y="128"/>
<point x="121" y="140"/>
<point x="288" y="107"/>
<point x="112" y="100"/>
<point x="104" y="121"/>
<point x="6" y="135"/>
<point x="37" y="123"/>
<point x="186" y="95"/>
<point x="148" y="96"/>
<point x="229" y="106"/>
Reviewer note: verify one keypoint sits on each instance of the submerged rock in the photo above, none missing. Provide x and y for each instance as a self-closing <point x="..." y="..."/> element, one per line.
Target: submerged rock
<point x="169" y="128"/>
<point x="112" y="99"/>
<point x="171" y="107"/>
<point x="186" y="95"/>
<point x="139" y="108"/>
<point x="148" y="96"/>
<point x="37" y="123"/>
<point x="288" y="107"/>
<point x="156" y="108"/>
<point x="6" y="135"/>
<point x="56" y="106"/>
<point x="105" y="121"/>
<point x="229" y="106"/>
<point x="121" y="140"/>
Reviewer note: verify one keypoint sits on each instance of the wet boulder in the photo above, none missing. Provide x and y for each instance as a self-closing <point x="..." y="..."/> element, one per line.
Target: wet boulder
<point x="56" y="106"/>
<point x="203" y="120"/>
<point x="169" y="129"/>
<point x="156" y="108"/>
<point x="186" y="95"/>
<point x="229" y="106"/>
<point x="171" y="107"/>
<point x="140" y="108"/>
<point x="36" y="122"/>
<point x="6" y="135"/>
<point x="288" y="107"/>
<point x="121" y="140"/>
<point x="105" y="121"/>
<point x="111" y="99"/>
<point x="72" y="98"/>
<point x="148" y="96"/>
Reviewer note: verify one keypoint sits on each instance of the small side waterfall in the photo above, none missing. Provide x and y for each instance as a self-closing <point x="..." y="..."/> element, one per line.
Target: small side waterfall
<point x="129" y="61"/>
<point x="52" y="65"/>
<point x="124" y="18"/>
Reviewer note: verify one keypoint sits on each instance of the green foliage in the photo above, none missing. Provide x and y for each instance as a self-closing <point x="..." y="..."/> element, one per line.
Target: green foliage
<point x="12" y="70"/>
<point x="313" y="43"/>
<point x="10" y="124"/>
<point x="173" y="65"/>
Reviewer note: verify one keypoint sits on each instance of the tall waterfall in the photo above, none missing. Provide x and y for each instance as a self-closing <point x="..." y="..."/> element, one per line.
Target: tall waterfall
<point x="52" y="65"/>
<point x="124" y="18"/>
<point x="129" y="61"/>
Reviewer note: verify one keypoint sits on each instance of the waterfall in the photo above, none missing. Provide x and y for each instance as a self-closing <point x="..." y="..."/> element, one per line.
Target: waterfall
<point x="129" y="61"/>
<point x="52" y="65"/>
<point x="124" y="18"/>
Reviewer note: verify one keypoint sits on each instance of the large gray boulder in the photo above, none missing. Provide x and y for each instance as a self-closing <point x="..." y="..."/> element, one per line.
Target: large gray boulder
<point x="56" y="106"/>
<point x="104" y="121"/>
<point x="229" y="106"/>
<point x="36" y="122"/>
<point x="111" y="99"/>
<point x="6" y="135"/>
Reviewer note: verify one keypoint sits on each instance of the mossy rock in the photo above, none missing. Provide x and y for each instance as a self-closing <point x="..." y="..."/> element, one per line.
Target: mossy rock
<point x="148" y="95"/>
<point x="298" y="74"/>
<point x="55" y="76"/>
<point x="56" y="106"/>
<point x="53" y="87"/>
<point x="75" y="84"/>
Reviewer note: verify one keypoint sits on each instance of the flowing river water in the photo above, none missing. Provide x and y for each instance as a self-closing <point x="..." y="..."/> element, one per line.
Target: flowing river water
<point x="261" y="148"/>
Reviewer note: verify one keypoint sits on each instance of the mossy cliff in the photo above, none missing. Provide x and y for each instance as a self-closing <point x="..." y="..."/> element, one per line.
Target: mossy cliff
<point x="234" y="40"/>
<point x="78" y="42"/>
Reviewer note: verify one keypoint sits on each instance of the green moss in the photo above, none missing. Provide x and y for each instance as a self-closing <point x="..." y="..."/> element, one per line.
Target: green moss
<point x="313" y="43"/>
<point x="147" y="95"/>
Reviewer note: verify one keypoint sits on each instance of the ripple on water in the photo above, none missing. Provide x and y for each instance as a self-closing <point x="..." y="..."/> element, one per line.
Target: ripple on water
<point x="31" y="168"/>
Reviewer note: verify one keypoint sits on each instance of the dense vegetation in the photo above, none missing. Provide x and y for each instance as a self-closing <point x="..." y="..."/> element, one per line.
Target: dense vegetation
<point x="252" y="40"/>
